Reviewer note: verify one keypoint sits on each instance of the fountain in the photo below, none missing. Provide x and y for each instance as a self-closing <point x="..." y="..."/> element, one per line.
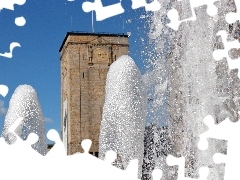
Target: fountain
<point x="197" y="84"/>
<point x="124" y="113"/>
<point x="24" y="103"/>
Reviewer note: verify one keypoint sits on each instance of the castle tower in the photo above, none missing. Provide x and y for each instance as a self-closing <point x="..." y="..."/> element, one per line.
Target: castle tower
<point x="85" y="60"/>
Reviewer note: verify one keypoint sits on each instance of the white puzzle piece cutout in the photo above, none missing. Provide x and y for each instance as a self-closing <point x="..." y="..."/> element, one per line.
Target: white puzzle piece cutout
<point x="229" y="131"/>
<point x="219" y="54"/>
<point x="173" y="14"/>
<point x="103" y="12"/>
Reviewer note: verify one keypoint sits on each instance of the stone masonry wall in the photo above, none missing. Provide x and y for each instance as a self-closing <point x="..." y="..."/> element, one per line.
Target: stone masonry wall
<point x="85" y="61"/>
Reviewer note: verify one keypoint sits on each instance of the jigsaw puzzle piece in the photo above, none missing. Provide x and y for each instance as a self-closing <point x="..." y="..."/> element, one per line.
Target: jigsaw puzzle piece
<point x="216" y="171"/>
<point x="102" y="169"/>
<point x="58" y="149"/>
<point x="219" y="54"/>
<point x="153" y="6"/>
<point x="234" y="35"/>
<point x="230" y="131"/>
<point x="167" y="172"/>
<point x="28" y="143"/>
<point x="234" y="16"/>
<point x="90" y="162"/>
<point x="103" y="12"/>
<point x="86" y="145"/>
<point x="171" y="160"/>
<point x="181" y="10"/>
<point x="202" y="157"/>
<point x="227" y="84"/>
<point x="185" y="10"/>
<point x="214" y="8"/>
<point x="183" y="7"/>
<point x="10" y="4"/>
<point x="11" y="47"/>
<point x="157" y="145"/>
<point x="217" y="131"/>
<point x="224" y="7"/>
<point x="21" y="149"/>
<point x="211" y="7"/>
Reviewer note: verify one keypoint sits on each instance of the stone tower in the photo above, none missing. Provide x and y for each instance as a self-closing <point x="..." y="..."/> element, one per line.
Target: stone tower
<point x="85" y="60"/>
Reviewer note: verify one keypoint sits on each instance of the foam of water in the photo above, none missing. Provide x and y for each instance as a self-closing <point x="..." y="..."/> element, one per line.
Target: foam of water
<point x="24" y="103"/>
<point x="124" y="113"/>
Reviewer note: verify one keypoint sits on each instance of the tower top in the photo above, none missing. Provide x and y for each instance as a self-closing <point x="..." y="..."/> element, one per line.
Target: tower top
<point x="83" y="33"/>
<point x="85" y="59"/>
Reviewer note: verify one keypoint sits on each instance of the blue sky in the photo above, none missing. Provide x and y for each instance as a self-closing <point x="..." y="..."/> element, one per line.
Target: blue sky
<point x="37" y="63"/>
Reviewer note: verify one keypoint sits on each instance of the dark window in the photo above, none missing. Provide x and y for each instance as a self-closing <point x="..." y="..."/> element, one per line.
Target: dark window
<point x="96" y="154"/>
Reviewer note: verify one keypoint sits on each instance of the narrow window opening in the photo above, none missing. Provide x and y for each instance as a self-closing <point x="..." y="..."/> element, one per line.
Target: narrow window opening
<point x="83" y="75"/>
